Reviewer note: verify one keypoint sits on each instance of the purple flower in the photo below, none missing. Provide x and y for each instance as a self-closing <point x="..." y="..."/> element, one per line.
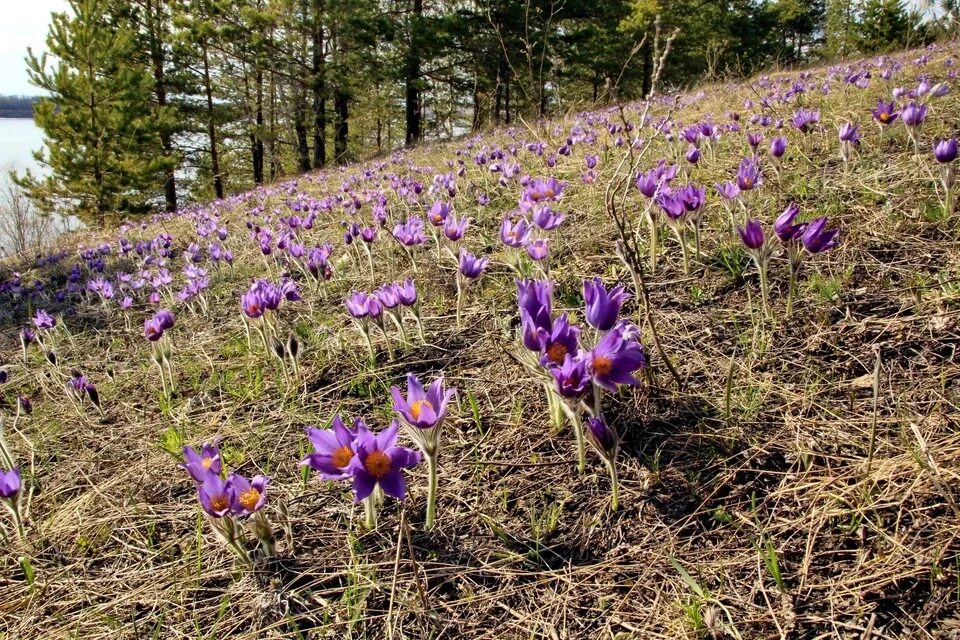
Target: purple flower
<point x="43" y="320"/>
<point x="693" y="155"/>
<point x="535" y="301"/>
<point x="471" y="266"/>
<point x="748" y="175"/>
<point x="454" y="230"/>
<point x="422" y="409"/>
<point x="784" y="227"/>
<point x="885" y="114"/>
<point x="203" y="463"/>
<point x="546" y="219"/>
<point x="25" y="404"/>
<point x="571" y="379"/>
<point x="252" y="304"/>
<point x="152" y="329"/>
<point x="616" y="357"/>
<point x="539" y="191"/>
<point x="407" y="291"/>
<point x="754" y="139"/>
<point x="648" y="183"/>
<point x="516" y="234"/>
<point x="603" y="437"/>
<point x="10" y="483"/>
<point x="914" y="114"/>
<point x="358" y="304"/>
<point x="379" y="461"/>
<point x="560" y="340"/>
<point x="602" y="307"/>
<point x="246" y="496"/>
<point x="778" y="147"/>
<point x="751" y="234"/>
<point x="213" y="495"/>
<point x="848" y="133"/>
<point x="333" y="449"/>
<point x="388" y="295"/>
<point x="945" y="151"/>
<point x="728" y="190"/>
<point x="166" y="319"/>
<point x="369" y="234"/>
<point x="805" y="119"/>
<point x="438" y="213"/>
<point x="816" y="238"/>
<point x="538" y="249"/>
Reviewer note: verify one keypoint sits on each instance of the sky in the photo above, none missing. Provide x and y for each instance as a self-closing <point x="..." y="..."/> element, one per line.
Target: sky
<point x="24" y="24"/>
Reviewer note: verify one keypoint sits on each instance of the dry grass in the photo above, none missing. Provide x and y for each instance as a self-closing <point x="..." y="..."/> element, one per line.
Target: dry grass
<point x="524" y="547"/>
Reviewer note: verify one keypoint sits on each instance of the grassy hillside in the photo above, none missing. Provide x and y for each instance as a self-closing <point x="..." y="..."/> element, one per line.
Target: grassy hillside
<point x="795" y="476"/>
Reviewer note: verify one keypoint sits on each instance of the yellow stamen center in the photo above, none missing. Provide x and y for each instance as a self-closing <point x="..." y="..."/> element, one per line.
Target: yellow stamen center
<point x="748" y="182"/>
<point x="884" y="117"/>
<point x="377" y="464"/>
<point x="602" y="365"/>
<point x="556" y="353"/>
<point x="549" y="193"/>
<point x="249" y="499"/>
<point x="219" y="503"/>
<point x="207" y="463"/>
<point x="341" y="457"/>
<point x="417" y="407"/>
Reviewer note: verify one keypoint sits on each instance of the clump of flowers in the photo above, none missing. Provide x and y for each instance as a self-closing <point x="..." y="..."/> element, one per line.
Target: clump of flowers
<point x="913" y="117"/>
<point x="368" y="310"/>
<point x="80" y="389"/>
<point x="423" y="413"/>
<point x="156" y="330"/>
<point x="578" y="366"/>
<point x="261" y="306"/>
<point x="651" y="185"/>
<point x="372" y="461"/>
<point x="231" y="502"/>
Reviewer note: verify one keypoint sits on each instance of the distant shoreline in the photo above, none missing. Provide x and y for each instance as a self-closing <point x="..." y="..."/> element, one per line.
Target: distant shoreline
<point x="7" y="117"/>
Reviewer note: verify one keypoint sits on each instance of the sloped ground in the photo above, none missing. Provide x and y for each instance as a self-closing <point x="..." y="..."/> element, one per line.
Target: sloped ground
<point x="755" y="471"/>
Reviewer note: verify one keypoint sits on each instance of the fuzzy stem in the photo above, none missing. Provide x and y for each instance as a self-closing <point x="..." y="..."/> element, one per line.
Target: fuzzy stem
<point x="792" y="287"/>
<point x="696" y="240"/>
<point x="574" y="416"/>
<point x="459" y="301"/>
<point x="370" y="513"/>
<point x="431" y="491"/>
<point x="654" y="240"/>
<point x="614" y="484"/>
<point x="681" y="238"/>
<point x="763" y="289"/>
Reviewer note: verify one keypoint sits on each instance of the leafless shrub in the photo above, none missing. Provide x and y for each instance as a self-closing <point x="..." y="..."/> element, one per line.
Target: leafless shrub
<point x="23" y="229"/>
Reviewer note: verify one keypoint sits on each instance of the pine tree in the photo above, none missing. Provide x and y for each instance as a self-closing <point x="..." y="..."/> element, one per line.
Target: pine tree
<point x="101" y="131"/>
<point x="885" y="25"/>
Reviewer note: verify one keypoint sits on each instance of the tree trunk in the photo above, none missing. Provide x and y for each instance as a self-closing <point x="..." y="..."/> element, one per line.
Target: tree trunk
<point x="414" y="107"/>
<point x="256" y="138"/>
<point x="211" y="127"/>
<point x="341" y="126"/>
<point x="300" y="130"/>
<point x="319" y="90"/>
<point x="160" y="87"/>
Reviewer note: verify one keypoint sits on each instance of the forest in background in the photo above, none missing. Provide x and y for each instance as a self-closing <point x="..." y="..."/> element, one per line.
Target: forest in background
<point x="155" y="104"/>
<point x="17" y="106"/>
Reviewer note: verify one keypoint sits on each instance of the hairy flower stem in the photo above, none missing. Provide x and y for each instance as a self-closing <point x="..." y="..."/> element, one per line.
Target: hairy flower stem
<point x="14" y="510"/>
<point x="614" y="484"/>
<point x="574" y="416"/>
<point x="681" y="236"/>
<point x="654" y="241"/>
<point x="369" y="512"/>
<point x="431" y="490"/>
<point x="762" y="268"/>
<point x="459" y="302"/>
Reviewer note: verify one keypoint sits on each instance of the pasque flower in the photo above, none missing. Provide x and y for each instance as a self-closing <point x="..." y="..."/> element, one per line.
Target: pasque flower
<point x="945" y="152"/>
<point x="784" y="227"/>
<point x="885" y="114"/>
<point x="10" y="483"/>
<point x="43" y="320"/>
<point x="379" y="462"/>
<point x="333" y="449"/>
<point x="817" y="238"/>
<point x="755" y="241"/>
<point x="246" y="496"/>
<point x="616" y="357"/>
<point x="470" y="265"/>
<point x="200" y="464"/>
<point x="213" y="495"/>
<point x="602" y="307"/>
<point x="514" y="234"/>
<point x="562" y="339"/>
<point x="424" y="411"/>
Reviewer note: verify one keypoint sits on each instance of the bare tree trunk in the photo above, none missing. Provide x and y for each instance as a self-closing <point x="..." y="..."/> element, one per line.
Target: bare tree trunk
<point x="341" y="105"/>
<point x="319" y="89"/>
<point x="211" y="126"/>
<point x="160" y="87"/>
<point x="414" y="105"/>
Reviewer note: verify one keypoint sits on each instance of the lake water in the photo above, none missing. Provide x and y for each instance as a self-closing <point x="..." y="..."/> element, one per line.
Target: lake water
<point x="19" y="138"/>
